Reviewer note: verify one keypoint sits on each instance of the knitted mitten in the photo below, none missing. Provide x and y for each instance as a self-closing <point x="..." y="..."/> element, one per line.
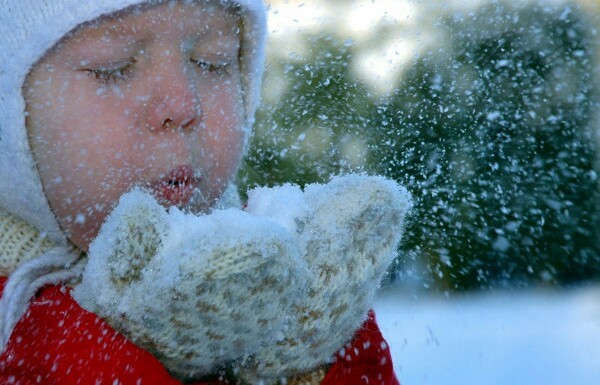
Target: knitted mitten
<point x="196" y="291"/>
<point x="347" y="231"/>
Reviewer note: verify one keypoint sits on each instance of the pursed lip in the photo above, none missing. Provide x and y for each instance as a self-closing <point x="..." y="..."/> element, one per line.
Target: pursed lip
<point x="177" y="187"/>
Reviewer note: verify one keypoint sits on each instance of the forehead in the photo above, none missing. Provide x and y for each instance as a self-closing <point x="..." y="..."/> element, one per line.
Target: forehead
<point x="202" y="18"/>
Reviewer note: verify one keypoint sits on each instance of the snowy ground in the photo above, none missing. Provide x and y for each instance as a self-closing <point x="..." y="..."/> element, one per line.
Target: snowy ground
<point x="526" y="338"/>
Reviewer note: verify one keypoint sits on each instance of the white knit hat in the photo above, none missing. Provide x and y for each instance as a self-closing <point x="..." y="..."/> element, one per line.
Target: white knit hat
<point x="28" y="28"/>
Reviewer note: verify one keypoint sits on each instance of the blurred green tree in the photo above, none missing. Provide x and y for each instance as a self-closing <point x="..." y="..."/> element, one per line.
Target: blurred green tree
<point x="309" y="133"/>
<point x="490" y="130"/>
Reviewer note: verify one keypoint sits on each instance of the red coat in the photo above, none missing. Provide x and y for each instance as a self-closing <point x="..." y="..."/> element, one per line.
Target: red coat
<point x="58" y="342"/>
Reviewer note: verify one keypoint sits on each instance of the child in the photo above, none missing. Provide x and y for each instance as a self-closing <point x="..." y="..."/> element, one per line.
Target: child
<point x="100" y="97"/>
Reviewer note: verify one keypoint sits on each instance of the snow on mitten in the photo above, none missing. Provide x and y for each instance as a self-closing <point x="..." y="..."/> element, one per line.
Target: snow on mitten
<point x="347" y="231"/>
<point x="198" y="292"/>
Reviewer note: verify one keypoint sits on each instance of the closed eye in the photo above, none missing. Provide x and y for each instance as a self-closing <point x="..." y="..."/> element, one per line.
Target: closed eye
<point x="219" y="68"/>
<point x="112" y="73"/>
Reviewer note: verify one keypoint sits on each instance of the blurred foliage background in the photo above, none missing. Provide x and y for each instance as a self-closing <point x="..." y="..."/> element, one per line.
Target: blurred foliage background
<point x="487" y="111"/>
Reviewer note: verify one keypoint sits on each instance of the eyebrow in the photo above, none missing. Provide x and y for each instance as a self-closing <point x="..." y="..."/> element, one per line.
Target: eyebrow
<point x="111" y="30"/>
<point x="118" y="38"/>
<point x="118" y="30"/>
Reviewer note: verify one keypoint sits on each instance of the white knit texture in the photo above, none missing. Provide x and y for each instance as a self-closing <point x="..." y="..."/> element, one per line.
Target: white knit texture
<point x="348" y="232"/>
<point x="275" y="290"/>
<point x="32" y="261"/>
<point x="37" y="260"/>
<point x="197" y="292"/>
<point x="19" y="243"/>
<point x="28" y="28"/>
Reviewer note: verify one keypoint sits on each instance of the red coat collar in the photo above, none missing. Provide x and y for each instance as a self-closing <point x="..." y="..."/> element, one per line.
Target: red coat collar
<point x="58" y="342"/>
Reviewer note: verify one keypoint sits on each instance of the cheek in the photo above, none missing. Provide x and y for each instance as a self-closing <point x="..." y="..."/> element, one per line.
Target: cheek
<point x="227" y="119"/>
<point x="222" y="139"/>
<point x="81" y="147"/>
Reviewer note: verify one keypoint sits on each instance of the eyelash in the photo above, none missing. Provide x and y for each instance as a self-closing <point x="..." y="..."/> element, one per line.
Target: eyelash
<point x="107" y="76"/>
<point x="221" y="69"/>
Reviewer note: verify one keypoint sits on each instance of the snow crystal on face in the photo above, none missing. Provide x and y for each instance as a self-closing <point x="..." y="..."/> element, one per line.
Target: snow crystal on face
<point x="80" y="219"/>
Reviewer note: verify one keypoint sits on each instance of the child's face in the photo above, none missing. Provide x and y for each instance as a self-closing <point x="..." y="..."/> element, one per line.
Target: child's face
<point x="149" y="98"/>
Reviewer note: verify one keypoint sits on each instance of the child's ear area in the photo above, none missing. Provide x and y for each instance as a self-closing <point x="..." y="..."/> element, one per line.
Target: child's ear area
<point x="34" y="102"/>
<point x="33" y="81"/>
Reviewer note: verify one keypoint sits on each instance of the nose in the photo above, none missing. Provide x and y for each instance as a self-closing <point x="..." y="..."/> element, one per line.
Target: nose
<point x="173" y="102"/>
